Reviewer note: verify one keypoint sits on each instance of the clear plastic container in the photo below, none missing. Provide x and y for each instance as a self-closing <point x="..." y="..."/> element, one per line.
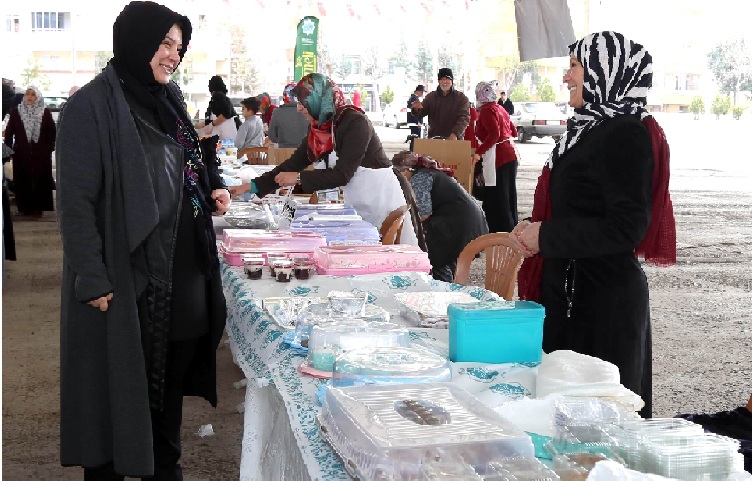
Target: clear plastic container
<point x="282" y="269"/>
<point x="253" y="266"/>
<point x="430" y="309"/>
<point x="265" y="242"/>
<point x="389" y="365"/>
<point x="322" y="314"/>
<point x="392" y="431"/>
<point x="364" y="259"/>
<point x="326" y="342"/>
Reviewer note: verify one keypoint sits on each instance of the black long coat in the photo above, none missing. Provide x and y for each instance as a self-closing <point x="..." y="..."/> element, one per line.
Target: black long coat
<point x="108" y="209"/>
<point x="593" y="288"/>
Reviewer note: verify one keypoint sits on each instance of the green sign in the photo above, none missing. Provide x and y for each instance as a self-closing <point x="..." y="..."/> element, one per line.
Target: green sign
<point x="305" y="55"/>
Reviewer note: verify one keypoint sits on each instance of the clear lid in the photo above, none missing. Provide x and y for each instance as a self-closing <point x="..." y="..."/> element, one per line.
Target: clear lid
<point x="378" y="365"/>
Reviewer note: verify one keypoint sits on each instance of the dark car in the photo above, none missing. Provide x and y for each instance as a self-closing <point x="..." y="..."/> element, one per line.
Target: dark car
<point x="55" y="104"/>
<point x="538" y="119"/>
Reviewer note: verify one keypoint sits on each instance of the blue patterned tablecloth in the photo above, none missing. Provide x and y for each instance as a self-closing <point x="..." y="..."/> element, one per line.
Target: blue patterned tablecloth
<point x="256" y="343"/>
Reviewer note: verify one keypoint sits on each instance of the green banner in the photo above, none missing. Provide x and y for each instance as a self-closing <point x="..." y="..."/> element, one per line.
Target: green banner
<point x="305" y="55"/>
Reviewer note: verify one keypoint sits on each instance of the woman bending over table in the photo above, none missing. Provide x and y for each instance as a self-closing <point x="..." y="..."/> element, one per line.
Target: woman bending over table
<point x="450" y="216"/>
<point x="346" y="152"/>
<point x="601" y="201"/>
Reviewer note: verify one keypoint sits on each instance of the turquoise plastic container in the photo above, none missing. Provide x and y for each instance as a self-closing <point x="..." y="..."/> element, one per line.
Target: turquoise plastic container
<point x="496" y="331"/>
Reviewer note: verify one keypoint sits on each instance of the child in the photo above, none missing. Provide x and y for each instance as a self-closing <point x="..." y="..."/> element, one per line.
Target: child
<point x="251" y="133"/>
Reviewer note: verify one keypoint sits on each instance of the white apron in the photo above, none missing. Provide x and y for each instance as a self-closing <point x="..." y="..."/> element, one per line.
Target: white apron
<point x="488" y="163"/>
<point x="375" y="193"/>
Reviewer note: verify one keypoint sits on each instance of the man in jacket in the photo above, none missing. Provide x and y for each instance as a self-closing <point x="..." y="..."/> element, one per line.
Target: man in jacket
<point x="446" y="108"/>
<point x="505" y="103"/>
<point x="288" y="126"/>
<point x="416" y="129"/>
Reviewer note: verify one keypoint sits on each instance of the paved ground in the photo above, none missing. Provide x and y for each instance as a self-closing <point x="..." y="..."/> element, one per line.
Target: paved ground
<point x="701" y="310"/>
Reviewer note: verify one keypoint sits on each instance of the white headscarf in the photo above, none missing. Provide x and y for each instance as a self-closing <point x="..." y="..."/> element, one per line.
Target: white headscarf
<point x="31" y="115"/>
<point x="485" y="93"/>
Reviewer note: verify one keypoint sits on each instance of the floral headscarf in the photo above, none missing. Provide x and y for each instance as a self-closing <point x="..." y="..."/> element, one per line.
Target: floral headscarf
<point x="31" y="115"/>
<point x="325" y="102"/>
<point x="288" y="93"/>
<point x="485" y="93"/>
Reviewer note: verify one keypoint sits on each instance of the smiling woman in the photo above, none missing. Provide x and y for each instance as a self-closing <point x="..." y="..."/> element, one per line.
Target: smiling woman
<point x="143" y="308"/>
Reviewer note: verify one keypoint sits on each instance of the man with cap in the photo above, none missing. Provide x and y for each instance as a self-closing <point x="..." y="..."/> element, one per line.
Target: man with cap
<point x="446" y="108"/>
<point x="414" y="121"/>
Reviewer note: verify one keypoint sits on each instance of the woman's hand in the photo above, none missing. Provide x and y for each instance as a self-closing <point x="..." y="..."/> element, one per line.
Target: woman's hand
<point x="286" y="179"/>
<point x="237" y="190"/>
<point x="222" y="201"/>
<point x="101" y="303"/>
<point x="476" y="158"/>
<point x="528" y="238"/>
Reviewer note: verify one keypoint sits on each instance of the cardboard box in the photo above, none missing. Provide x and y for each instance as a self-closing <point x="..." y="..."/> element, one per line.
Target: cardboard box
<point x="455" y="154"/>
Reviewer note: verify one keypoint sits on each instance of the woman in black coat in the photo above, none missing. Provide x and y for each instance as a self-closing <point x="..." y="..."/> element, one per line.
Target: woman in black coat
<point x="450" y="216"/>
<point x="603" y="190"/>
<point x="31" y="134"/>
<point x="142" y="307"/>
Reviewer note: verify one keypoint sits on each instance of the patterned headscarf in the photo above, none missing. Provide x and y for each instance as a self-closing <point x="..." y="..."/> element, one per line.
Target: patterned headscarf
<point x="617" y="77"/>
<point x="321" y="96"/>
<point x="31" y="115"/>
<point x="485" y="93"/>
<point x="288" y="93"/>
<point x="325" y="102"/>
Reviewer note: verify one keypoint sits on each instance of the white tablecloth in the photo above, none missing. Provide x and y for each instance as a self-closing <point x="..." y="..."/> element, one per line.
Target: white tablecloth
<point x="256" y="342"/>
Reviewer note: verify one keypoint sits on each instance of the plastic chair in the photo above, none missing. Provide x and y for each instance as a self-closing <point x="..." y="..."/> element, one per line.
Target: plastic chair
<point x="254" y="155"/>
<point x="392" y="226"/>
<point x="503" y="259"/>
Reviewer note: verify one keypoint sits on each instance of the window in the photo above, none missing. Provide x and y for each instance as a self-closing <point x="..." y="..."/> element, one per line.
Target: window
<point x="11" y="23"/>
<point x="49" y="21"/>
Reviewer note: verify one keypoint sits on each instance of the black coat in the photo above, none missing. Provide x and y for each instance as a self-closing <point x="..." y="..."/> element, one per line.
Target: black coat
<point x="600" y="193"/>
<point x="456" y="219"/>
<point x="109" y="209"/>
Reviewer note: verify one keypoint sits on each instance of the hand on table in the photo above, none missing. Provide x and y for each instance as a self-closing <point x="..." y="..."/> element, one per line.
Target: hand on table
<point x="101" y="303"/>
<point x="286" y="179"/>
<point x="237" y="190"/>
<point x="222" y="201"/>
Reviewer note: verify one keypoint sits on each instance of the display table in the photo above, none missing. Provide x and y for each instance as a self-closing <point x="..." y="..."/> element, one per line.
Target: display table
<point x="281" y="438"/>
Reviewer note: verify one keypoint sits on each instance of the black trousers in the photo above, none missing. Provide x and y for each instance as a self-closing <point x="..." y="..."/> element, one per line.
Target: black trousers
<point x="166" y="424"/>
<point x="500" y="204"/>
<point x="445" y="273"/>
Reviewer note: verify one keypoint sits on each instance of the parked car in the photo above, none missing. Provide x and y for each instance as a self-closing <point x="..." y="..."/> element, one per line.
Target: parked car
<point x="55" y="104"/>
<point x="395" y="114"/>
<point x="538" y="119"/>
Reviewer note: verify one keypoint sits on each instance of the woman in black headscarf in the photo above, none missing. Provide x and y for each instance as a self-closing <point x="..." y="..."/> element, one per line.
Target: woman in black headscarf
<point x="142" y="305"/>
<point x="221" y="118"/>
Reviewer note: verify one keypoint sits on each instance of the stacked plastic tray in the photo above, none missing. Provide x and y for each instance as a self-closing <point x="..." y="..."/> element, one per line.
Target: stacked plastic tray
<point x="370" y="259"/>
<point x="392" y="432"/>
<point x="677" y="448"/>
<point x="340" y="232"/>
<point x="389" y="365"/>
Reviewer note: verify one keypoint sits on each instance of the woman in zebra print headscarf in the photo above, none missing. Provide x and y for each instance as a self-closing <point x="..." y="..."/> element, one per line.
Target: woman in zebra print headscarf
<point x="601" y="201"/>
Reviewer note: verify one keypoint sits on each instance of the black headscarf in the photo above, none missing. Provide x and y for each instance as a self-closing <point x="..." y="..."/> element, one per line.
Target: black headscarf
<point x="217" y="84"/>
<point x="137" y="34"/>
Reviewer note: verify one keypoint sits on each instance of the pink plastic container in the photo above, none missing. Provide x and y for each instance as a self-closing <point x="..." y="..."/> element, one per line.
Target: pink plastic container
<point x="350" y="260"/>
<point x="237" y="242"/>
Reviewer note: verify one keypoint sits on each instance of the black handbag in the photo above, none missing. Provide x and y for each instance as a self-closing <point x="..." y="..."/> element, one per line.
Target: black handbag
<point x="477" y="187"/>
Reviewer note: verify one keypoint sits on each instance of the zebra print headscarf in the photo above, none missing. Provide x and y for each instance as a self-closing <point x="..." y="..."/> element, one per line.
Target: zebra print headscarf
<point x="617" y="77"/>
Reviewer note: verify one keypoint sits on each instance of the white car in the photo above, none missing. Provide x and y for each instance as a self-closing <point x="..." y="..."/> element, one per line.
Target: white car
<point x="538" y="119"/>
<point x="395" y="114"/>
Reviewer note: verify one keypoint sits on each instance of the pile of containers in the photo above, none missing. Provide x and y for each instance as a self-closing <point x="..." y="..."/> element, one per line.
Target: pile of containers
<point x="339" y="232"/>
<point x="369" y="259"/>
<point x="417" y="431"/>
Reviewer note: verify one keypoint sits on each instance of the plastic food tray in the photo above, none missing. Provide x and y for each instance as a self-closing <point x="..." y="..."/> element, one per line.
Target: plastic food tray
<point x="387" y="432"/>
<point x="258" y="240"/>
<point x="350" y="260"/>
<point x="429" y="308"/>
<point x="335" y="230"/>
<point x="389" y="365"/>
<point x="326" y="342"/>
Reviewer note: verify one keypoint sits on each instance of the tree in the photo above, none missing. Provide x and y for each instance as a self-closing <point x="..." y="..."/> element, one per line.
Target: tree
<point x="424" y="67"/>
<point x="520" y="94"/>
<point x="738" y="112"/>
<point x="545" y="91"/>
<point x="697" y="106"/>
<point x="514" y="69"/>
<point x="101" y="58"/>
<point x="243" y="74"/>
<point x="387" y="96"/>
<point x="32" y="76"/>
<point x="720" y="106"/>
<point x="184" y="74"/>
<point x="373" y="62"/>
<point x="730" y="63"/>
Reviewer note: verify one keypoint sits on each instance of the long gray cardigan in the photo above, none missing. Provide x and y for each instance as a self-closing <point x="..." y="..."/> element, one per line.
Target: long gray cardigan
<point x="106" y="209"/>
